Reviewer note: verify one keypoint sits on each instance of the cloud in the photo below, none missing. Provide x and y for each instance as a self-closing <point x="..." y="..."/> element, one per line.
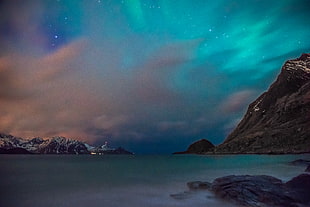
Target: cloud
<point x="106" y="123"/>
<point x="237" y="101"/>
<point x="153" y="78"/>
<point x="7" y="80"/>
<point x="172" y="125"/>
<point x="37" y="98"/>
<point x="20" y="29"/>
<point x="231" y="125"/>
<point x="68" y="93"/>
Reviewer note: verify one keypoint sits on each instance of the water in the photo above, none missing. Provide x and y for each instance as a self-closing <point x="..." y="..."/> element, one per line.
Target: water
<point x="126" y="181"/>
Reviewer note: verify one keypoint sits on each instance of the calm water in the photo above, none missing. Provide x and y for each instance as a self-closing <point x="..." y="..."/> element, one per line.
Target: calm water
<point x="125" y="181"/>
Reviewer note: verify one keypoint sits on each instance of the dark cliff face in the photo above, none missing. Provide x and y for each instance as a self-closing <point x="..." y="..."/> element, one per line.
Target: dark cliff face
<point x="278" y="121"/>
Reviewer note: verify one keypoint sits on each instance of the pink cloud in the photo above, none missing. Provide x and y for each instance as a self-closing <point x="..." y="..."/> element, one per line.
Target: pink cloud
<point x="78" y="91"/>
<point x="237" y="101"/>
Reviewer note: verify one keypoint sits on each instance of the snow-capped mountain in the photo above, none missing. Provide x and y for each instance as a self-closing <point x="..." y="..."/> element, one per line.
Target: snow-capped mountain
<point x="62" y="145"/>
<point x="105" y="150"/>
<point x="54" y="145"/>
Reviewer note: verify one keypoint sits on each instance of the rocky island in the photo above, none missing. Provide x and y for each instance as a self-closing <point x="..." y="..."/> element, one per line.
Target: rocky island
<point x="199" y="147"/>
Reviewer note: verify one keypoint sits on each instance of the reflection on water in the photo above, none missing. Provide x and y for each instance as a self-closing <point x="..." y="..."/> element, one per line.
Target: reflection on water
<point x="116" y="181"/>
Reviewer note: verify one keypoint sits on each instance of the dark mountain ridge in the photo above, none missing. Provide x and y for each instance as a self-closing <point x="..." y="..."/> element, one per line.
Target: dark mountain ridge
<point x="55" y="145"/>
<point x="278" y="120"/>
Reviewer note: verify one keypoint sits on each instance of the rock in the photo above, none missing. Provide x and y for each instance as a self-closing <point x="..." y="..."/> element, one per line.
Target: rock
<point x="181" y="196"/>
<point x="251" y="190"/>
<point x="300" y="188"/>
<point x="278" y="120"/>
<point x="200" y="147"/>
<point x="193" y="187"/>
<point x="300" y="162"/>
<point x="198" y="185"/>
<point x="262" y="190"/>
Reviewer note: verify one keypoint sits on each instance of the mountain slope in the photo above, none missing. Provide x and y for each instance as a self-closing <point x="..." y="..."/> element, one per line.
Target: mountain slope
<point x="62" y="145"/>
<point x="278" y="121"/>
<point x="55" y="145"/>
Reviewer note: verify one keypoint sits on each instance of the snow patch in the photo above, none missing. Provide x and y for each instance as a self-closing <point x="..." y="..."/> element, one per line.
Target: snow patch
<point x="297" y="65"/>
<point x="256" y="108"/>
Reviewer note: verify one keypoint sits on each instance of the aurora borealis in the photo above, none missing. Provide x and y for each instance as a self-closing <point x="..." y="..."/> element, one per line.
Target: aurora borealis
<point x="152" y="76"/>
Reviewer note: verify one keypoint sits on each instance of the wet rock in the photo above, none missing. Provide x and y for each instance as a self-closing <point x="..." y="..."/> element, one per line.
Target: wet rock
<point x="300" y="188"/>
<point x="263" y="190"/>
<point x="181" y="196"/>
<point x="193" y="186"/>
<point x="253" y="190"/>
<point x="198" y="185"/>
<point x="300" y="162"/>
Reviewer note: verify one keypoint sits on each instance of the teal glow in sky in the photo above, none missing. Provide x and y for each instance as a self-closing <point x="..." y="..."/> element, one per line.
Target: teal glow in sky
<point x="152" y="76"/>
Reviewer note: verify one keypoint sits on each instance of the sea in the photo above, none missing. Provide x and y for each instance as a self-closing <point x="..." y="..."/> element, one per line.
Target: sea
<point x="127" y="180"/>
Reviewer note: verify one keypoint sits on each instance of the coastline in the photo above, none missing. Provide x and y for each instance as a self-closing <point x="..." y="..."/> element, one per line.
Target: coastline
<point x="257" y="190"/>
<point x="140" y="180"/>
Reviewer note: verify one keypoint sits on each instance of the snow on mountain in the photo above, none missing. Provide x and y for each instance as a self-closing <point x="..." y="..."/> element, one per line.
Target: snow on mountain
<point x="55" y="145"/>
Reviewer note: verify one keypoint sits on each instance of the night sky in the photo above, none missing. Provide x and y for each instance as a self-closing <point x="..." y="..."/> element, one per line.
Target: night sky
<point x="151" y="76"/>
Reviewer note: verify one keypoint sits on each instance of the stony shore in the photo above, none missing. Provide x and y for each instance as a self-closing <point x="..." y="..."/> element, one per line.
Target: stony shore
<point x="257" y="190"/>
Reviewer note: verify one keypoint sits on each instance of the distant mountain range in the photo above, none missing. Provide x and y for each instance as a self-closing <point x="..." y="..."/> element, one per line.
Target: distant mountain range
<point x="56" y="145"/>
<point x="278" y="121"/>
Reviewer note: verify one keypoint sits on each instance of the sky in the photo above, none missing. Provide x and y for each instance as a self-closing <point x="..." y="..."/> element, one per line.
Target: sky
<point x="150" y="76"/>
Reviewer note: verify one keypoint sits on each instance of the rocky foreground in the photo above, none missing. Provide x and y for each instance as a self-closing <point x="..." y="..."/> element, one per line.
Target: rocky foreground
<point x="257" y="190"/>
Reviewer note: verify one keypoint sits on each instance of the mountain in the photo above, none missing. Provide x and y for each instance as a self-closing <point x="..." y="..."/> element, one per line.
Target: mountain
<point x="200" y="147"/>
<point x="117" y="151"/>
<point x="278" y="120"/>
<point x="106" y="150"/>
<point x="62" y="145"/>
<point x="55" y="145"/>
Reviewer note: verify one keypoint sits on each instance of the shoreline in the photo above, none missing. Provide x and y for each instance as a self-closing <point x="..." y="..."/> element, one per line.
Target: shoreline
<point x="256" y="190"/>
<point x="248" y="153"/>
